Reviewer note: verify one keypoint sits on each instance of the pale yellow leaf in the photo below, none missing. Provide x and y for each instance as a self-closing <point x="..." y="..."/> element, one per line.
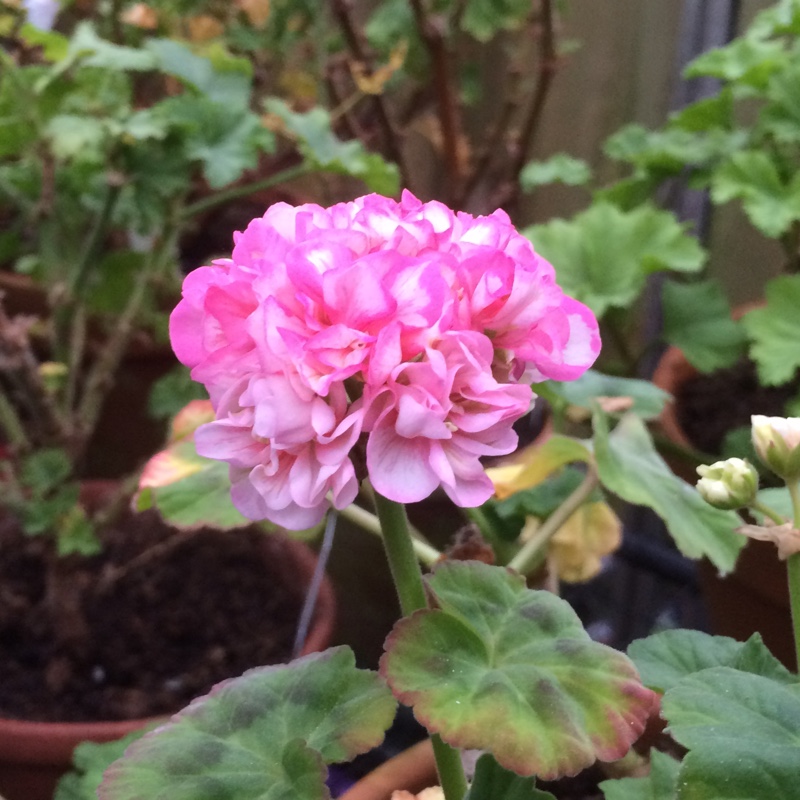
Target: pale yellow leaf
<point x="257" y="11"/>
<point x="140" y="15"/>
<point x="204" y="27"/>
<point x="577" y="549"/>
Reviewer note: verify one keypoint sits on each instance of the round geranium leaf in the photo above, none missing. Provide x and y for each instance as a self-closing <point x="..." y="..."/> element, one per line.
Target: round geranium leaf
<point x="264" y="736"/>
<point x="499" y="667"/>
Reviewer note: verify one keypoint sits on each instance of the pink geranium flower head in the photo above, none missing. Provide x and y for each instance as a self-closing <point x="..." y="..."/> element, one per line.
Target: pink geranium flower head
<point x="400" y="328"/>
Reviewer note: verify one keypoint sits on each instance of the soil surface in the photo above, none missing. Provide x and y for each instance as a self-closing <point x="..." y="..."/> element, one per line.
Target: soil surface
<point x="208" y="607"/>
<point x="709" y="406"/>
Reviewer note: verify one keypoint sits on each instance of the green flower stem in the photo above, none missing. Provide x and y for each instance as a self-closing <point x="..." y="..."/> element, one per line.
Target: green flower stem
<point x="793" y="569"/>
<point x="757" y="505"/>
<point x="532" y="553"/>
<point x="424" y="552"/>
<point x="400" y="553"/>
<point x="235" y="192"/>
<point x="411" y="592"/>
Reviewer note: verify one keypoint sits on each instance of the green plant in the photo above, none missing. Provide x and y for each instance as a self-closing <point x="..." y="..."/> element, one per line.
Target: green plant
<point x="741" y="145"/>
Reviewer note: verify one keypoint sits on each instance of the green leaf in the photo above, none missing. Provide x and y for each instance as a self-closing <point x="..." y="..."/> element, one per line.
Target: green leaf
<point x="224" y="82"/>
<point x="483" y="19"/>
<point x="751" y="176"/>
<point x="503" y="668"/>
<point x="75" y="534"/>
<point x="267" y="734"/>
<point x="664" y="659"/>
<point x="90" y="760"/>
<point x="171" y="392"/>
<point x="72" y="135"/>
<point x="561" y="168"/>
<point x="44" y="470"/>
<point x="225" y="140"/>
<point x="630" y="467"/>
<point x="647" y="399"/>
<point x="697" y="319"/>
<point x="188" y="490"/>
<point x="93" y="51"/>
<point x="538" y="501"/>
<point x="708" y="114"/>
<point x="604" y="255"/>
<point x="743" y="733"/>
<point x="492" y="782"/>
<point x="746" y="61"/>
<point x="55" y="46"/>
<point x="774" y="331"/>
<point x="669" y="151"/>
<point x="325" y="151"/>
<point x="660" y="784"/>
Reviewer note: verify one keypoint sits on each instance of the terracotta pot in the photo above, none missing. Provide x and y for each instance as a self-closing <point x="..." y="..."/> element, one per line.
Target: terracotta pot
<point x="755" y="596"/>
<point x="413" y="770"/>
<point x="34" y="755"/>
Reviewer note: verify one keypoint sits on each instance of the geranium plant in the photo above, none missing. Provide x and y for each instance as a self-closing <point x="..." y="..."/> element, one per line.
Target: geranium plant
<point x="392" y="344"/>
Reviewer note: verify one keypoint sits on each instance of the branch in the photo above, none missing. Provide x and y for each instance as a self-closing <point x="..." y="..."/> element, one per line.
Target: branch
<point x="493" y="143"/>
<point x="21" y="368"/>
<point x="548" y="65"/>
<point x="101" y="374"/>
<point x="343" y="11"/>
<point x="430" y="30"/>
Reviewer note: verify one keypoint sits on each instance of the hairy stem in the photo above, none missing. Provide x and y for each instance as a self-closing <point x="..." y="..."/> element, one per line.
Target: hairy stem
<point x="793" y="570"/>
<point x="411" y="593"/>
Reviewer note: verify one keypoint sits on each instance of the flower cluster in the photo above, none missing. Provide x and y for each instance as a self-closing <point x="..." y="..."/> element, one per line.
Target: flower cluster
<point x="403" y="325"/>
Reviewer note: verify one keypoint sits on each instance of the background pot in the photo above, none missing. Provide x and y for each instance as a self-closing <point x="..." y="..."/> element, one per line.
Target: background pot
<point x="413" y="770"/>
<point x="34" y="755"/>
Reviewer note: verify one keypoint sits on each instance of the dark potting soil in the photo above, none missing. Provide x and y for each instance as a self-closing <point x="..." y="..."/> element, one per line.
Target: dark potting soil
<point x="207" y="608"/>
<point x="709" y="406"/>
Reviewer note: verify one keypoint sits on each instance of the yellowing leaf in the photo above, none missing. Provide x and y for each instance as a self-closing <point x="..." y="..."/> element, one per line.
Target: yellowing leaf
<point x="141" y="15"/>
<point x="577" y="549"/>
<point x="374" y="83"/>
<point x="167" y="467"/>
<point x="190" y="418"/>
<point x="300" y="84"/>
<point x="535" y="464"/>
<point x="204" y="27"/>
<point x="256" y="11"/>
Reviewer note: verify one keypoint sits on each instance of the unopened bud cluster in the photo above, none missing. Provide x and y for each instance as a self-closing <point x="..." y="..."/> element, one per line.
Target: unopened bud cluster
<point x="728" y="484"/>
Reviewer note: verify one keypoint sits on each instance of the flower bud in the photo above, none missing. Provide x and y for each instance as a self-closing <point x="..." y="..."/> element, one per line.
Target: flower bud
<point x="777" y="442"/>
<point x="728" y="484"/>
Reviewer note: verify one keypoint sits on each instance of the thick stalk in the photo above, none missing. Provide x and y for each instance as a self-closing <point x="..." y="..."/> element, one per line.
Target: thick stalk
<point x="793" y="570"/>
<point x="532" y="553"/>
<point x="411" y="592"/>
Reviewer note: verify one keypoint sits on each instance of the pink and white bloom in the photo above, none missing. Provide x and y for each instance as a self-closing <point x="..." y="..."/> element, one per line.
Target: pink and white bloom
<point x="777" y="442"/>
<point x="402" y="328"/>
